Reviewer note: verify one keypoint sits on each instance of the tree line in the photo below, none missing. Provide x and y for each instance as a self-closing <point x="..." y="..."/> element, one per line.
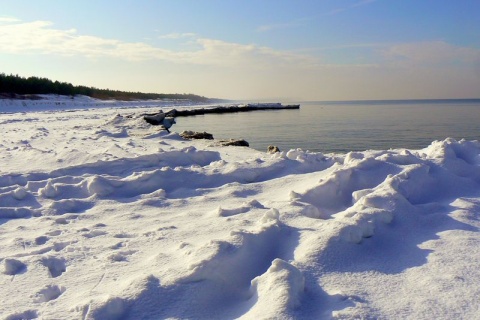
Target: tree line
<point x="11" y="85"/>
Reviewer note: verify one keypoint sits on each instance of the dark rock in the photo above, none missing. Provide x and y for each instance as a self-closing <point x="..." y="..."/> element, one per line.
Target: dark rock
<point x="172" y="113"/>
<point x="155" y="119"/>
<point x="273" y="149"/>
<point x="160" y="119"/>
<point x="230" y="109"/>
<point x="234" y="142"/>
<point x="196" y="135"/>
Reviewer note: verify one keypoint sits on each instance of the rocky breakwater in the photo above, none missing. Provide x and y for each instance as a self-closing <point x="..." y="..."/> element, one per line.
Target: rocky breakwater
<point x="231" y="109"/>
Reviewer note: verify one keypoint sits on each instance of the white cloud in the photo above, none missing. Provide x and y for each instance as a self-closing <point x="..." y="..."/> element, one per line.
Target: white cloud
<point x="219" y="68"/>
<point x="39" y="37"/>
<point x="251" y="56"/>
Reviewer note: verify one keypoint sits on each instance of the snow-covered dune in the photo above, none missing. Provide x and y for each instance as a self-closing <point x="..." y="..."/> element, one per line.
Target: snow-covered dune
<point x="104" y="217"/>
<point x="59" y="102"/>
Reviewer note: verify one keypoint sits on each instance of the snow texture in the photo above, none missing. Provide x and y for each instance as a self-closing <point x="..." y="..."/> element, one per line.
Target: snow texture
<point x="105" y="217"/>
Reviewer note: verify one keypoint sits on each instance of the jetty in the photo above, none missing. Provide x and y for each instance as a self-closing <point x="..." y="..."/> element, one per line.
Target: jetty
<point x="230" y="109"/>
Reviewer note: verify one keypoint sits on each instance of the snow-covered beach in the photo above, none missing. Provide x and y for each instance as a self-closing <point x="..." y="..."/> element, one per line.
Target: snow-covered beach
<point x="103" y="216"/>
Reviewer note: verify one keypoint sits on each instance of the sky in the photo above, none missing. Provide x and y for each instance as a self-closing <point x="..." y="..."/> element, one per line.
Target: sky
<point x="265" y="49"/>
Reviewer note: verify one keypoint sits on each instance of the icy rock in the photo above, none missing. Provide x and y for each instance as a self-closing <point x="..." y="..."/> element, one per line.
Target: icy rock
<point x="196" y="135"/>
<point x="234" y="142"/>
<point x="273" y="149"/>
<point x="155" y="119"/>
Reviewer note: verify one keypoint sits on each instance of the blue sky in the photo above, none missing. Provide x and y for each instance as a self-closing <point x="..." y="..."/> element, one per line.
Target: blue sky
<point x="298" y="50"/>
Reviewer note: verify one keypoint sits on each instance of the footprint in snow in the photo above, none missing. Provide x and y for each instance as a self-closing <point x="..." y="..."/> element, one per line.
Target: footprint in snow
<point x="121" y="256"/>
<point x="94" y="233"/>
<point x="26" y="315"/>
<point x="13" y="267"/>
<point x="252" y="204"/>
<point x="117" y="246"/>
<point x="122" y="235"/>
<point x="54" y="233"/>
<point x="166" y="228"/>
<point x="41" y="240"/>
<point x="49" y="293"/>
<point x="100" y="225"/>
<point x="55" y="266"/>
<point x="59" y="246"/>
<point x="61" y="221"/>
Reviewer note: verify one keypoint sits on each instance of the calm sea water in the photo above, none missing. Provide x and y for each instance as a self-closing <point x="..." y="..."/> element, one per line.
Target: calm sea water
<point x="346" y="126"/>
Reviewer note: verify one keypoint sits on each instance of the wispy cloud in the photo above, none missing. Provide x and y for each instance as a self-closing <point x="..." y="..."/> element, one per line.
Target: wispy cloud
<point x="431" y="52"/>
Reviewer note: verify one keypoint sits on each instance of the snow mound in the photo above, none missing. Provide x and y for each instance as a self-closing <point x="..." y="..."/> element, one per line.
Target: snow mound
<point x="280" y="289"/>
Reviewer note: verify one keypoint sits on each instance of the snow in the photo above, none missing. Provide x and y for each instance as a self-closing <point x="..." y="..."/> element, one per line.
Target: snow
<point x="49" y="102"/>
<point x="103" y="216"/>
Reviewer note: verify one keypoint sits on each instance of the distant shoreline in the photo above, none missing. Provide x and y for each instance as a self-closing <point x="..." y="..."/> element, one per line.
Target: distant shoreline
<point x="16" y="96"/>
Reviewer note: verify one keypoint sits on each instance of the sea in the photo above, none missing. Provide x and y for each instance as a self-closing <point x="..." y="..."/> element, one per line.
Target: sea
<point x="343" y="126"/>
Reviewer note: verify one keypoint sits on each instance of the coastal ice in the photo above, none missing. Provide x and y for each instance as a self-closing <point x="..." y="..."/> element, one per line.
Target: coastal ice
<point x="105" y="217"/>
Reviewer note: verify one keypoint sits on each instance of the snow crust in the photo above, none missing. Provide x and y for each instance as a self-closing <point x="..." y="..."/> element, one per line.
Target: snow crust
<point x="104" y="217"/>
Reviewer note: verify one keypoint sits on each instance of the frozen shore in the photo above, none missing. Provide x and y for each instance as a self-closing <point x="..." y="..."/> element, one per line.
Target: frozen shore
<point x="105" y="217"/>
<point x="51" y="102"/>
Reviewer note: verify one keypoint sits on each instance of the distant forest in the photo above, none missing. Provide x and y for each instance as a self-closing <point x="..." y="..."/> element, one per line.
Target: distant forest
<point x="14" y="86"/>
